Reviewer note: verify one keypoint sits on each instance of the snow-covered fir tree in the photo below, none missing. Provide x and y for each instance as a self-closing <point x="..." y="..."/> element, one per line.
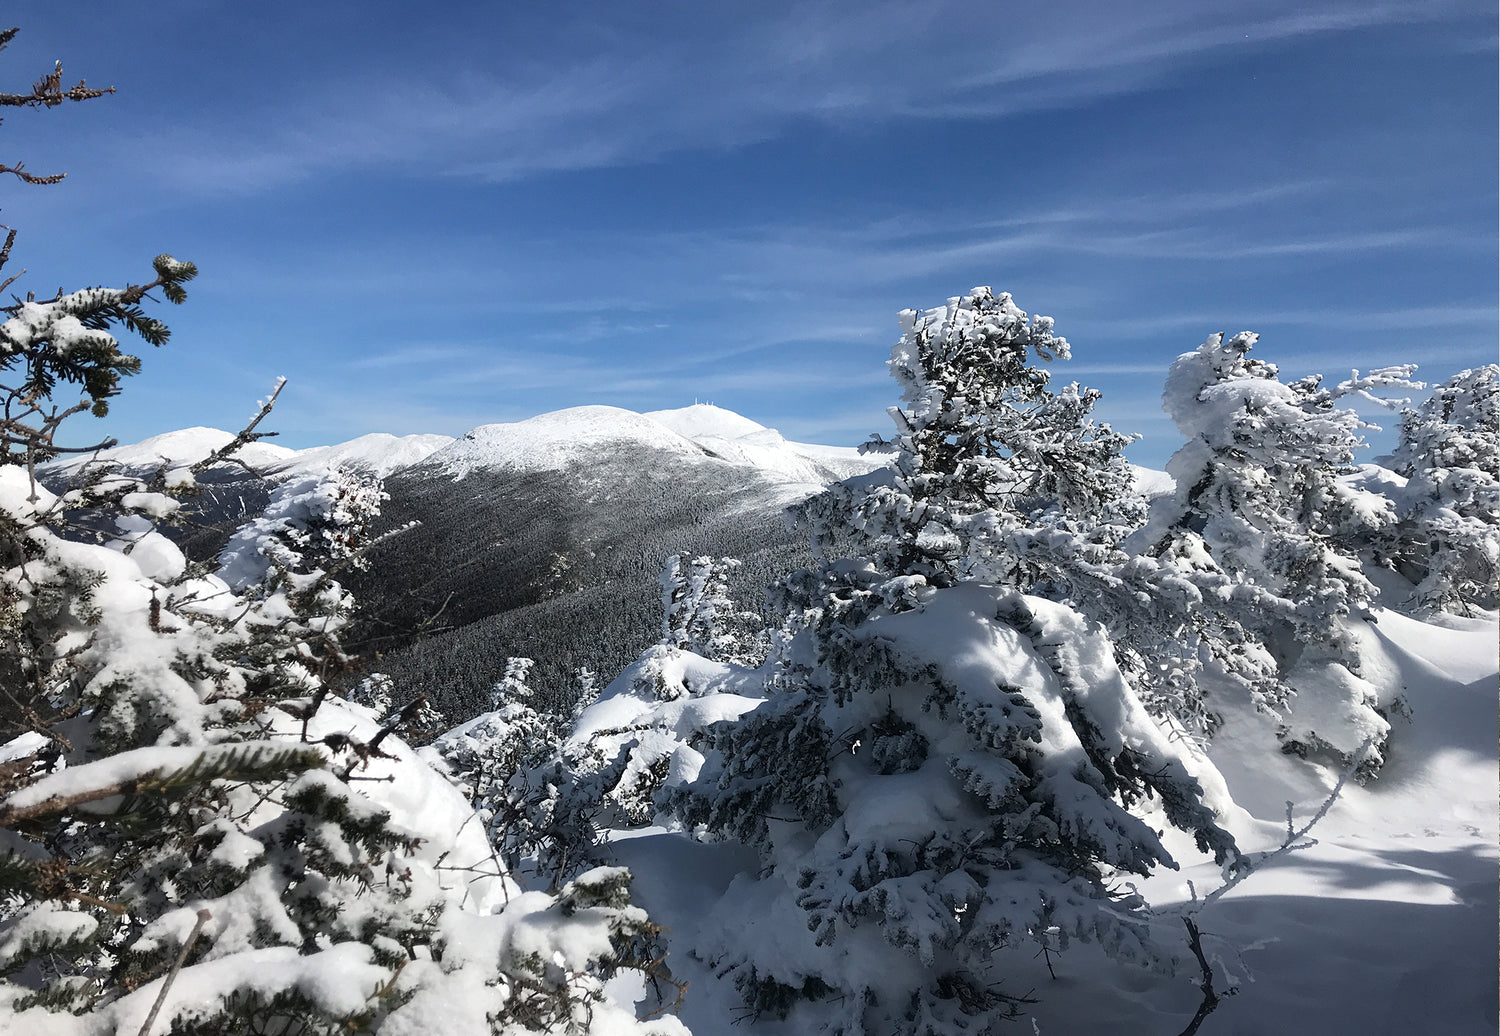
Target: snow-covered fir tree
<point x="514" y="688"/>
<point x="508" y="762"/>
<point x="585" y="689"/>
<point x="644" y="730"/>
<point x="1262" y="519"/>
<point x="1447" y="536"/>
<point x="549" y="784"/>
<point x="197" y="770"/>
<point x="945" y="768"/>
<point x="648" y="728"/>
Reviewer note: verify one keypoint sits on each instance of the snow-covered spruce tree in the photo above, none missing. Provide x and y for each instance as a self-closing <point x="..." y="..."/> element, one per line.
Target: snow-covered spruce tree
<point x="1447" y="536"/>
<point x="698" y="614"/>
<point x="980" y="436"/>
<point x="647" y="728"/>
<point x="647" y="724"/>
<point x="946" y="768"/>
<point x="998" y="477"/>
<point x="1261" y="515"/>
<point x="585" y="689"/>
<point x="182" y="844"/>
<point x="547" y="784"/>
<point x="540" y="793"/>
<point x="503" y="759"/>
<point x="209" y="777"/>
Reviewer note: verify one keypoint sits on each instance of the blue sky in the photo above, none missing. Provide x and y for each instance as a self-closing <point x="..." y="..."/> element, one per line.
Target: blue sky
<point x="475" y="212"/>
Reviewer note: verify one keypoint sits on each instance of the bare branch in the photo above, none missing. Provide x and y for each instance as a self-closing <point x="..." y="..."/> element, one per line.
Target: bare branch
<point x="247" y="435"/>
<point x="19" y="172"/>
<point x="1211" y="997"/>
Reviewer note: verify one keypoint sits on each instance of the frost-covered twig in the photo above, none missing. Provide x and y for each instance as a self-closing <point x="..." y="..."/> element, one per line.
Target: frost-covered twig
<point x="1383" y="377"/>
<point x="247" y="435"/>
<point x="1249" y="864"/>
<point x="187" y="947"/>
<point x="1211" y="997"/>
<point x="1245" y="867"/>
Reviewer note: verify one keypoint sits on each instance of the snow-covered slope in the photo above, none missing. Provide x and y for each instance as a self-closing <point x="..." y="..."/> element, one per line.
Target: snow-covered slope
<point x="740" y="440"/>
<point x="704" y="420"/>
<point x="1150" y="482"/>
<point x="377" y="453"/>
<point x="699" y="433"/>
<point x="553" y="440"/>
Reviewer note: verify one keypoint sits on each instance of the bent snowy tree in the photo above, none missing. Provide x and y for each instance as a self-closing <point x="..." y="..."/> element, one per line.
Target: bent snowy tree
<point x="1261" y="516"/>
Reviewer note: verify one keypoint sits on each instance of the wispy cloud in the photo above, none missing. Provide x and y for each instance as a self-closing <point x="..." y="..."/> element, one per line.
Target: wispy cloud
<point x="767" y="261"/>
<point x="628" y="92"/>
<point x="1176" y="34"/>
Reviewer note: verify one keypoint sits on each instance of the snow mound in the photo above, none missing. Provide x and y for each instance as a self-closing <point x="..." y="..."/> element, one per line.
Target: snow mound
<point x="179" y="449"/>
<point x="550" y="441"/>
<point x="670" y="689"/>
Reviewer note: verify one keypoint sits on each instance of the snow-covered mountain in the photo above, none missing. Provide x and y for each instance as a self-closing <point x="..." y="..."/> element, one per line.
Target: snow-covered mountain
<point x="535" y="529"/>
<point x="701" y="433"/>
<point x="554" y="440"/>
<point x="377" y="453"/>
<point x="739" y="440"/>
<point x="530" y="529"/>
<point x="178" y="449"/>
<point x="548" y="442"/>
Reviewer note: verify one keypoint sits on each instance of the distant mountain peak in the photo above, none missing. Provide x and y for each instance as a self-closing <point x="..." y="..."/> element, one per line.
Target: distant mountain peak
<point x="699" y="433"/>
<point x="178" y="449"/>
<point x="378" y="453"/>
<point x="705" y="419"/>
<point x="553" y="439"/>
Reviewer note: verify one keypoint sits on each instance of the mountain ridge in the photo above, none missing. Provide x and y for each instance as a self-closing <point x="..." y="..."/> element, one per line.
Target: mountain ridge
<point x="546" y="441"/>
